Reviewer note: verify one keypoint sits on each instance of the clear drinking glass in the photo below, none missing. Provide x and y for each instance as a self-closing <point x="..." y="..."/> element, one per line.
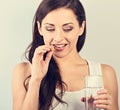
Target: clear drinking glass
<point x="93" y="83"/>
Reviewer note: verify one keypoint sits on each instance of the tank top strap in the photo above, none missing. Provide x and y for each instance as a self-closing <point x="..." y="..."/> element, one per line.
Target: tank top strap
<point x="94" y="68"/>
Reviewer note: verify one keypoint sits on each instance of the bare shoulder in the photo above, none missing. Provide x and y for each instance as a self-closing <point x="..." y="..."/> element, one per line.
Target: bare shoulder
<point x="107" y="68"/>
<point x="109" y="78"/>
<point x="21" y="70"/>
<point x="108" y="71"/>
<point x="110" y="84"/>
<point x="20" y="73"/>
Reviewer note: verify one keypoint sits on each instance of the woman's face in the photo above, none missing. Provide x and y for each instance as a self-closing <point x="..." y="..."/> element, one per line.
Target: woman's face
<point x="61" y="29"/>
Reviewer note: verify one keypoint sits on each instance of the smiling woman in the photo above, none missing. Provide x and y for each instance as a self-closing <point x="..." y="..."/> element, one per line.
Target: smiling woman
<point x="53" y="77"/>
<point x="59" y="32"/>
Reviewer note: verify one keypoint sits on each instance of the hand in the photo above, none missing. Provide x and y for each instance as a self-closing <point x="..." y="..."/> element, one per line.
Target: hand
<point x="39" y="66"/>
<point x="103" y="100"/>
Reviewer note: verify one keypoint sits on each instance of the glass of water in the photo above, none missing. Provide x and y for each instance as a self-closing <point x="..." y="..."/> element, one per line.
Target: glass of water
<point x="93" y="83"/>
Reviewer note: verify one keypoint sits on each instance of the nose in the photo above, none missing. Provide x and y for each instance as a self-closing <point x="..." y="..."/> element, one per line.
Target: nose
<point x="59" y="36"/>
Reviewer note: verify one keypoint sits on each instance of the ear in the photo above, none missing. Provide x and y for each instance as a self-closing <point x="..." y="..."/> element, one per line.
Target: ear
<point x="39" y="28"/>
<point x="82" y="27"/>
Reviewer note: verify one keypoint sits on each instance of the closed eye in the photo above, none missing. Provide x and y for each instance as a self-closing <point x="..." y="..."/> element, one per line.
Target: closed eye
<point x="50" y="28"/>
<point x="68" y="29"/>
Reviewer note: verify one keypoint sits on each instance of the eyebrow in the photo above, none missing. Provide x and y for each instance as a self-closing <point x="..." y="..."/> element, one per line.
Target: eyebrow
<point x="67" y="23"/>
<point x="63" y="24"/>
<point x="49" y="24"/>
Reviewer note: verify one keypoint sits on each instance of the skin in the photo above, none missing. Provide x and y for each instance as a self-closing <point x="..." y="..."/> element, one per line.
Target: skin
<point x="60" y="35"/>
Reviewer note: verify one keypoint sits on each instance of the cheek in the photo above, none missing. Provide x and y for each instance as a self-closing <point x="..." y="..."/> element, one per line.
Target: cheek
<point x="47" y="39"/>
<point x="73" y="37"/>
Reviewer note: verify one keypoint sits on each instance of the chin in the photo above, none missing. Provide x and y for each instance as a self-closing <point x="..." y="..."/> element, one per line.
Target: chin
<point x="61" y="54"/>
<point x="58" y="56"/>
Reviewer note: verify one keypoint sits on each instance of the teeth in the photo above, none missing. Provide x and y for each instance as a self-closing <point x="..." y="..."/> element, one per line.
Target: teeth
<point x="59" y="46"/>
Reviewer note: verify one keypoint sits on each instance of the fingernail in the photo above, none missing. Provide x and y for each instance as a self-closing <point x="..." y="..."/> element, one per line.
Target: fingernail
<point x="99" y="91"/>
<point x="95" y="102"/>
<point x="95" y="97"/>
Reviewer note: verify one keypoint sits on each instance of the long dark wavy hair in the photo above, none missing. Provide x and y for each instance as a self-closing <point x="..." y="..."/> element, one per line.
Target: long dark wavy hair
<point x="53" y="78"/>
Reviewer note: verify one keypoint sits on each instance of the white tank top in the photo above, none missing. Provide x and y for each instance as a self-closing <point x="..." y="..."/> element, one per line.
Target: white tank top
<point x="73" y="99"/>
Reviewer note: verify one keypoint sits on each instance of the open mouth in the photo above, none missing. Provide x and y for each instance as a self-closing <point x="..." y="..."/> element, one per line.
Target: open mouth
<point x="59" y="47"/>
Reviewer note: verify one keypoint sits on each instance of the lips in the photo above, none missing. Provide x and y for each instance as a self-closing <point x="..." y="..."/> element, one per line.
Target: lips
<point x="59" y="47"/>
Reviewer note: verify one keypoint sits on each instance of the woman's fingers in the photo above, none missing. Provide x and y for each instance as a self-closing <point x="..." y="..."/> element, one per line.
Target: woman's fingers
<point x="40" y="61"/>
<point x="102" y="94"/>
<point x="40" y="51"/>
<point x="102" y="91"/>
<point x="103" y="99"/>
<point x="48" y="56"/>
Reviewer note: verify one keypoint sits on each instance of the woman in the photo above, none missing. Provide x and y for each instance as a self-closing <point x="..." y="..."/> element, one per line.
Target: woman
<point x="53" y="79"/>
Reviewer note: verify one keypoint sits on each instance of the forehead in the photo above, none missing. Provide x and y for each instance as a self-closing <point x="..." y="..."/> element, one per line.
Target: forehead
<point x="60" y="15"/>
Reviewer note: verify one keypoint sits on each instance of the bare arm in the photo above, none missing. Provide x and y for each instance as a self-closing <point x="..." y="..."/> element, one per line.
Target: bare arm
<point x="110" y="83"/>
<point x="107" y="98"/>
<point x="29" y="100"/>
<point x="22" y="99"/>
